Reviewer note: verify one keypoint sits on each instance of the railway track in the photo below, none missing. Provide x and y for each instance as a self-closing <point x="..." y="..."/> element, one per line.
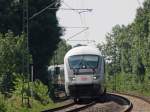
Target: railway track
<point x="111" y="103"/>
<point x="72" y="107"/>
<point x="140" y="104"/>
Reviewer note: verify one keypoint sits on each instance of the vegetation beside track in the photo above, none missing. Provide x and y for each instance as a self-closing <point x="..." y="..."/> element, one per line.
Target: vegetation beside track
<point x="11" y="78"/>
<point x="38" y="102"/>
<point x="12" y="84"/>
<point x="127" y="54"/>
<point x="128" y="83"/>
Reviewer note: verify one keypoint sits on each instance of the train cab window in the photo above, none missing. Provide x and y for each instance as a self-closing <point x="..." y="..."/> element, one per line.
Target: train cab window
<point x="75" y="62"/>
<point x="83" y="61"/>
<point x="91" y="61"/>
<point x="57" y="70"/>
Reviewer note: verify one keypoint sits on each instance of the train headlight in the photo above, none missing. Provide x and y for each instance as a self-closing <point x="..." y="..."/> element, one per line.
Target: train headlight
<point x="94" y="77"/>
<point x="73" y="78"/>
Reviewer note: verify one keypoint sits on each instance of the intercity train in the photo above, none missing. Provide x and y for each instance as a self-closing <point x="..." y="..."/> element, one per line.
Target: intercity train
<point x="84" y="72"/>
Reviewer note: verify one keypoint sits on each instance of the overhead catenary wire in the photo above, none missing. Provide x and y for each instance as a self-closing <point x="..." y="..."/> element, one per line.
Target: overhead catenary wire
<point x="73" y="27"/>
<point x="76" y="10"/>
<point x="50" y="5"/>
<point x="83" y="40"/>
<point x="79" y="9"/>
<point x="83" y="20"/>
<point x="44" y="9"/>
<point x="139" y="3"/>
<point x="69" y="6"/>
<point x="77" y="33"/>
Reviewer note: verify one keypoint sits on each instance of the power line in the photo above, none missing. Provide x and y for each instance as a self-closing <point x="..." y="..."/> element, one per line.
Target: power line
<point x="74" y="27"/>
<point x="79" y="11"/>
<point x="83" y="40"/>
<point x="139" y="3"/>
<point x="84" y="10"/>
<point x="50" y="5"/>
<point x="78" y="33"/>
<point x="83" y="20"/>
<point x="69" y="6"/>
<point x="91" y="41"/>
<point x="41" y="11"/>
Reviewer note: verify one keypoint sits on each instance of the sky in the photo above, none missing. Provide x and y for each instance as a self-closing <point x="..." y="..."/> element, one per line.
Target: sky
<point x="104" y="15"/>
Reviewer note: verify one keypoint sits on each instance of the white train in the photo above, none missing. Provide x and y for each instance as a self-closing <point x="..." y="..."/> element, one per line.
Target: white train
<point x="56" y="76"/>
<point x="84" y="72"/>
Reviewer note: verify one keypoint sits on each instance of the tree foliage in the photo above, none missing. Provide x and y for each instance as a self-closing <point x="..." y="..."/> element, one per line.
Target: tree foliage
<point x="12" y="53"/>
<point x="43" y="36"/>
<point x="11" y="16"/>
<point x="127" y="47"/>
<point x="44" y="31"/>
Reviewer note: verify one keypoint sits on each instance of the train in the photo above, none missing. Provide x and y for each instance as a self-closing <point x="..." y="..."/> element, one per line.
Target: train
<point x="84" y="73"/>
<point x="56" y="76"/>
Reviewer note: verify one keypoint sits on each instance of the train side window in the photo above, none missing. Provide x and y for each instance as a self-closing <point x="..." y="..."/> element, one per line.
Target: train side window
<point x="57" y="70"/>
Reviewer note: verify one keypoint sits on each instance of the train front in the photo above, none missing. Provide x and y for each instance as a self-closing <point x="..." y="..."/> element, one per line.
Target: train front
<point x="84" y="72"/>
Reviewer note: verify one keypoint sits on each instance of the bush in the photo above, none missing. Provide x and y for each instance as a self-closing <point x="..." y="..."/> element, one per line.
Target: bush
<point x="41" y="92"/>
<point x="2" y="104"/>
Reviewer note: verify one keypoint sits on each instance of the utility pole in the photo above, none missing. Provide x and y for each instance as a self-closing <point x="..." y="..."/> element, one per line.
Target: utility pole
<point x="26" y="74"/>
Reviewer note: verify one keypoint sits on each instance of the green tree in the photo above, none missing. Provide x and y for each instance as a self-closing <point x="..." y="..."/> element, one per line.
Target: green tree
<point x="11" y="16"/>
<point x="127" y="47"/>
<point x="43" y="37"/>
<point x="12" y="53"/>
<point x="44" y="31"/>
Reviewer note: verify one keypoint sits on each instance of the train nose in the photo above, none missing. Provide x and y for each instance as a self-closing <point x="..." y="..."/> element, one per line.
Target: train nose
<point x="84" y="90"/>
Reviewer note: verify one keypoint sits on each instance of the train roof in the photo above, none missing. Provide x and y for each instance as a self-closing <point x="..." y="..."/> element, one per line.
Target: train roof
<point x="53" y="66"/>
<point x="83" y="50"/>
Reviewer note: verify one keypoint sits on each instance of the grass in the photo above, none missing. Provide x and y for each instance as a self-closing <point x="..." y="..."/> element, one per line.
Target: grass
<point x="14" y="104"/>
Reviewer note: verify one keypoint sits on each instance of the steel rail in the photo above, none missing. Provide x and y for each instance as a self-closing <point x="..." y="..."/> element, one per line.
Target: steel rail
<point x="59" y="108"/>
<point x="136" y="96"/>
<point x="130" y="105"/>
<point x="132" y="95"/>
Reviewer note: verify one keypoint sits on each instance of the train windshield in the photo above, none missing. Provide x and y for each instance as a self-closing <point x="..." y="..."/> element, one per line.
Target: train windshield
<point x="83" y="61"/>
